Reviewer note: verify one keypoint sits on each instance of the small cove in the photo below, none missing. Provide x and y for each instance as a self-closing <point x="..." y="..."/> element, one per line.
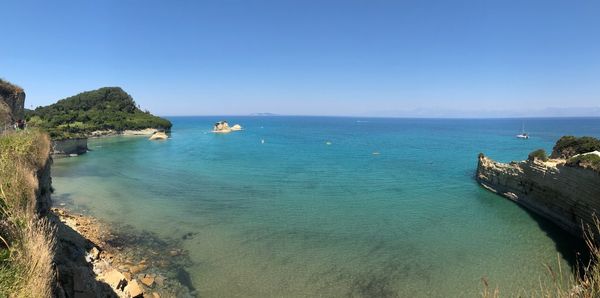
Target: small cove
<point x="312" y="211"/>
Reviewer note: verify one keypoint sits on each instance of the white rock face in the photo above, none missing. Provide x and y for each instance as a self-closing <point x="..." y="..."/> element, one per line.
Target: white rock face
<point x="223" y="127"/>
<point x="568" y="196"/>
<point x="142" y="132"/>
<point x="159" y="136"/>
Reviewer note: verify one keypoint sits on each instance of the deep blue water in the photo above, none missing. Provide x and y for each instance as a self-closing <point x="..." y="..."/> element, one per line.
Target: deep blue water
<point x="312" y="211"/>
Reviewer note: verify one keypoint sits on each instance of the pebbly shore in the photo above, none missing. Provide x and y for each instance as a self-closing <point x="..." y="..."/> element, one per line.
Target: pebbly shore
<point x="93" y="260"/>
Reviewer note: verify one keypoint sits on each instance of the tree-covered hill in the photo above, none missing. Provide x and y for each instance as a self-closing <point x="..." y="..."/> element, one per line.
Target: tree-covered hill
<point x="108" y="108"/>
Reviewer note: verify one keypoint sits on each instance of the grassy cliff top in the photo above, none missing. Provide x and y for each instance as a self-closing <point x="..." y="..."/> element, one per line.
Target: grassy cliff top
<point x="573" y="150"/>
<point x="26" y="246"/>
<point x="108" y="108"/>
<point x="569" y="146"/>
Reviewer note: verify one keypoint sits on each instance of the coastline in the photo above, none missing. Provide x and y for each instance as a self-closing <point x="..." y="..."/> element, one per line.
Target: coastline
<point x="77" y="146"/>
<point x="116" y="262"/>
<point x="128" y="132"/>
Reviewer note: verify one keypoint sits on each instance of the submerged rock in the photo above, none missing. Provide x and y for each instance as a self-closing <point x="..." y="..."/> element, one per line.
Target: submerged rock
<point x="148" y="280"/>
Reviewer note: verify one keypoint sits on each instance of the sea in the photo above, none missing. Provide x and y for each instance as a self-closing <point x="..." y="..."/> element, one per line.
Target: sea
<point x="330" y="206"/>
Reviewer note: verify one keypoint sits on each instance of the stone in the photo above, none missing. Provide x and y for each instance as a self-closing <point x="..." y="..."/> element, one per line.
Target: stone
<point x="160" y="280"/>
<point x="94" y="253"/>
<point x="127" y="275"/>
<point x="134" y="289"/>
<point x="159" y="135"/>
<point x="148" y="281"/>
<point x="138" y="268"/>
<point x="114" y="278"/>
<point x="236" y="127"/>
<point x="222" y="127"/>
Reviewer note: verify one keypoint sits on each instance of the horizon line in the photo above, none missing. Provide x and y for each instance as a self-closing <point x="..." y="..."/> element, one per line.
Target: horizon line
<point x="383" y="117"/>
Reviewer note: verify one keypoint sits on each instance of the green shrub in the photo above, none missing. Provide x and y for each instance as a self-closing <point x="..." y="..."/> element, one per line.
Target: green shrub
<point x="568" y="146"/>
<point x="102" y="109"/>
<point x="538" y="154"/>
<point x="588" y="161"/>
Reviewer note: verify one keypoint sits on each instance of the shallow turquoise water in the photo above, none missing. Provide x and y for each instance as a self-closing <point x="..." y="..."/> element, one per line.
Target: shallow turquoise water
<point x="298" y="217"/>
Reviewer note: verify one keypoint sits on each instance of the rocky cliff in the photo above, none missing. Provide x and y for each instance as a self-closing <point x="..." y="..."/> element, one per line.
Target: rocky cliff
<point x="61" y="148"/>
<point x="12" y="101"/>
<point x="568" y="196"/>
<point x="43" y="201"/>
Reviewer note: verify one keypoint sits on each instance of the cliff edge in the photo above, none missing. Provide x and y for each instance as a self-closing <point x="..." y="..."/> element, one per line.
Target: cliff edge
<point x="567" y="195"/>
<point x="12" y="101"/>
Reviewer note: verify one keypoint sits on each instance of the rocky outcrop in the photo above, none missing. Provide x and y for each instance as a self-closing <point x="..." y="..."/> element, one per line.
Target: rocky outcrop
<point x="141" y="132"/>
<point x="43" y="201"/>
<point x="568" y="196"/>
<point x="223" y="127"/>
<point x="69" y="147"/>
<point x="12" y="103"/>
<point x="159" y="135"/>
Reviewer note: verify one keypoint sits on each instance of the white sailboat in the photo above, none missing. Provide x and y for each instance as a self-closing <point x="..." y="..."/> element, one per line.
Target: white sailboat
<point x="523" y="134"/>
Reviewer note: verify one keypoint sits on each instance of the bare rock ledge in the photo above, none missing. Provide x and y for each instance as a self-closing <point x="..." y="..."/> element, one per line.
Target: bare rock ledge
<point x="567" y="196"/>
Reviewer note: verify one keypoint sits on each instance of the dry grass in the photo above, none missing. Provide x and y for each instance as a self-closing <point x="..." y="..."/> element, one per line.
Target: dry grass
<point x="584" y="283"/>
<point x="26" y="241"/>
<point x="33" y="257"/>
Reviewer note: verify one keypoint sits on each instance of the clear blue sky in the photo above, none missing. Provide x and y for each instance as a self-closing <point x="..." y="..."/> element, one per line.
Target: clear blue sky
<point x="308" y="57"/>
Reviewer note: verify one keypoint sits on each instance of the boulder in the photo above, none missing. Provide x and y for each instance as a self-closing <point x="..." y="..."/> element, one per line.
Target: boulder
<point x="115" y="279"/>
<point x="159" y="135"/>
<point x="160" y="280"/>
<point x="148" y="281"/>
<point x="236" y="127"/>
<point x="221" y="127"/>
<point x="134" y="289"/>
<point x="94" y="254"/>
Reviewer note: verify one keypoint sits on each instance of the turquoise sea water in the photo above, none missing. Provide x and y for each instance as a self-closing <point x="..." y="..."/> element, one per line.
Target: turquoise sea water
<point x="298" y="217"/>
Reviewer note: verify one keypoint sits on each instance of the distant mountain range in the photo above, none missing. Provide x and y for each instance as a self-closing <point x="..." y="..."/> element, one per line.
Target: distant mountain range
<point x="512" y="113"/>
<point x="263" y="114"/>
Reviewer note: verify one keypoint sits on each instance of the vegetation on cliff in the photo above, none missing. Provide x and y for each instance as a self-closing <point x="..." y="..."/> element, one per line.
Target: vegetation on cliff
<point x="569" y="146"/>
<point x="26" y="241"/>
<point x="7" y="90"/>
<point x="588" y="161"/>
<point x="108" y="108"/>
<point x="538" y="154"/>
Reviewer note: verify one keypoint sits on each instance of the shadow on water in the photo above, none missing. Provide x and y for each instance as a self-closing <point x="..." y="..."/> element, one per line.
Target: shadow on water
<point x="571" y="248"/>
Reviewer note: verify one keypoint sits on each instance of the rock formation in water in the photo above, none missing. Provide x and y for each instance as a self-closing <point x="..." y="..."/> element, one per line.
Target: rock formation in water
<point x="159" y="135"/>
<point x="69" y="147"/>
<point x="12" y="102"/>
<point x="223" y="127"/>
<point x="567" y="195"/>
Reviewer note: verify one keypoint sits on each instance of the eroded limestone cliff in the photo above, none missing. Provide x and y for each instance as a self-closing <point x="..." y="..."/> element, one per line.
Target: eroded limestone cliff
<point x="568" y="196"/>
